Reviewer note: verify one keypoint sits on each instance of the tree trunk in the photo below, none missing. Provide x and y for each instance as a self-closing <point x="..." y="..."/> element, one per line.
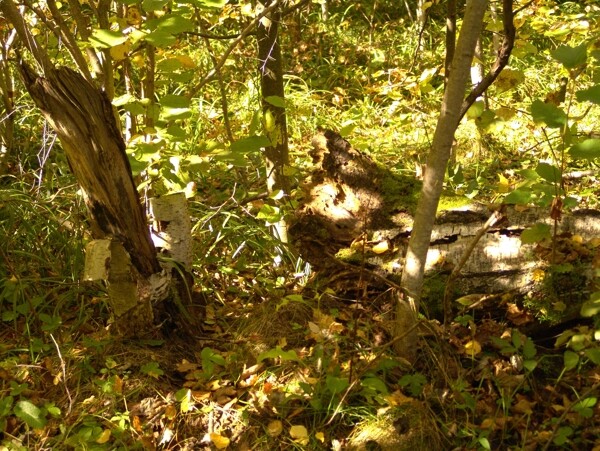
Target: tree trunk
<point x="412" y="277"/>
<point x="83" y="118"/>
<point x="271" y="79"/>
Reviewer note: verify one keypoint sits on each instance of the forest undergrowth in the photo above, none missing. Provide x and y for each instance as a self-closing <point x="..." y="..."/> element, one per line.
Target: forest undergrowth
<point x="286" y="357"/>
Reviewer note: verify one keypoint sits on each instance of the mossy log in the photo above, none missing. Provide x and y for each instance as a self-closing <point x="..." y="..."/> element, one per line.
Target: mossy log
<point x="356" y="211"/>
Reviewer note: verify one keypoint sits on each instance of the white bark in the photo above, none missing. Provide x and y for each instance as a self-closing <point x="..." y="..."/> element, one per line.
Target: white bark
<point x="412" y="276"/>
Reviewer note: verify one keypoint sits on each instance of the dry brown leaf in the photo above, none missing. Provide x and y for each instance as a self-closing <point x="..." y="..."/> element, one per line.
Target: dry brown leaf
<point x="523" y="405"/>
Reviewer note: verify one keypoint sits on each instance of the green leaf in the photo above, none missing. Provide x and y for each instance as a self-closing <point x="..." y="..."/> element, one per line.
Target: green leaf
<point x="173" y="24"/>
<point x="152" y="369"/>
<point x="586" y="150"/>
<point x="209" y="354"/>
<point x="571" y="360"/>
<point x="562" y="435"/>
<point x="536" y="233"/>
<point x="591" y="307"/>
<point x="476" y="110"/>
<point x="30" y="414"/>
<point x="278" y="353"/>
<point x="549" y="172"/>
<point x="548" y="113"/>
<point x="160" y="38"/>
<point x="570" y="57"/>
<point x="529" y="350"/>
<point x="376" y="384"/>
<point x="174" y="107"/>
<point x="6" y="405"/>
<point x="276" y="101"/>
<point x="269" y="213"/>
<point x="250" y="144"/>
<point x="335" y="384"/>
<point x="519" y="197"/>
<point x="590" y="95"/>
<point x="154" y="5"/>
<point x="104" y="39"/>
<point x="593" y="354"/>
<point x="207" y="3"/>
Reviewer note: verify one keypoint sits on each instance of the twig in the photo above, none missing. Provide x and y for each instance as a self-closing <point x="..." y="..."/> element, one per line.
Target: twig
<point x="64" y="374"/>
<point x="245" y="32"/>
<point x="219" y="74"/>
<point x="492" y="220"/>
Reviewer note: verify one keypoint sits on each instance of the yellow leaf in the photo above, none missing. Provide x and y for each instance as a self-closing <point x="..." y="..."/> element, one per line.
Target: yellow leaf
<point x="120" y="52"/>
<point x="186" y="61"/>
<point x="104" y="437"/>
<point x="300" y="434"/>
<point x="219" y="441"/>
<point x="472" y="348"/>
<point x="320" y="437"/>
<point x="275" y="428"/>
<point x="133" y="15"/>
<point x="382" y="247"/>
<point x="397" y="398"/>
<point x="503" y="184"/>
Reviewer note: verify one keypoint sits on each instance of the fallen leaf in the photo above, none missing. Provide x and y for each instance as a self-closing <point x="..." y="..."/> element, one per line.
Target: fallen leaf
<point x="104" y="437"/>
<point x="523" y="405"/>
<point x="380" y="248"/>
<point x="275" y="428"/>
<point x="472" y="348"/>
<point x="219" y="441"/>
<point x="300" y="434"/>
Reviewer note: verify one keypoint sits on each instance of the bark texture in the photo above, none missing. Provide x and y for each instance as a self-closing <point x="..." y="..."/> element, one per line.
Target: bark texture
<point x="83" y="118"/>
<point x="412" y="276"/>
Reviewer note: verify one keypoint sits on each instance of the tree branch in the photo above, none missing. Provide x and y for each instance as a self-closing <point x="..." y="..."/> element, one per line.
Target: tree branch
<point x="501" y="60"/>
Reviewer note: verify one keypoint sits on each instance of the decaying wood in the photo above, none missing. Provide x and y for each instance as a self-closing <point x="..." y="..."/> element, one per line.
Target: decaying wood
<point x="344" y="203"/>
<point x="83" y="119"/>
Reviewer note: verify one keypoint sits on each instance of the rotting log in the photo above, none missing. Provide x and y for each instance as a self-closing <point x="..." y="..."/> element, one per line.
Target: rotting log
<point x="356" y="212"/>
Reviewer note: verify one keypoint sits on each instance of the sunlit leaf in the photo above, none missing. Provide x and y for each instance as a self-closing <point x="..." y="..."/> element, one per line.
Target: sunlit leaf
<point x="220" y="441"/>
<point x="154" y="5"/>
<point x="519" y="197"/>
<point x="472" y="348"/>
<point x="103" y="39"/>
<point x="570" y="57"/>
<point x="30" y="414"/>
<point x="173" y="24"/>
<point x="160" y="38"/>
<point x="586" y="150"/>
<point x="250" y="144"/>
<point x="276" y="101"/>
<point x="299" y="433"/>
<point x="548" y="113"/>
<point x="476" y="109"/>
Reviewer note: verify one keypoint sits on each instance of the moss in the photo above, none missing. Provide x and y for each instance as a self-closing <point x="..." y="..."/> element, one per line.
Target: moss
<point x="453" y="202"/>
